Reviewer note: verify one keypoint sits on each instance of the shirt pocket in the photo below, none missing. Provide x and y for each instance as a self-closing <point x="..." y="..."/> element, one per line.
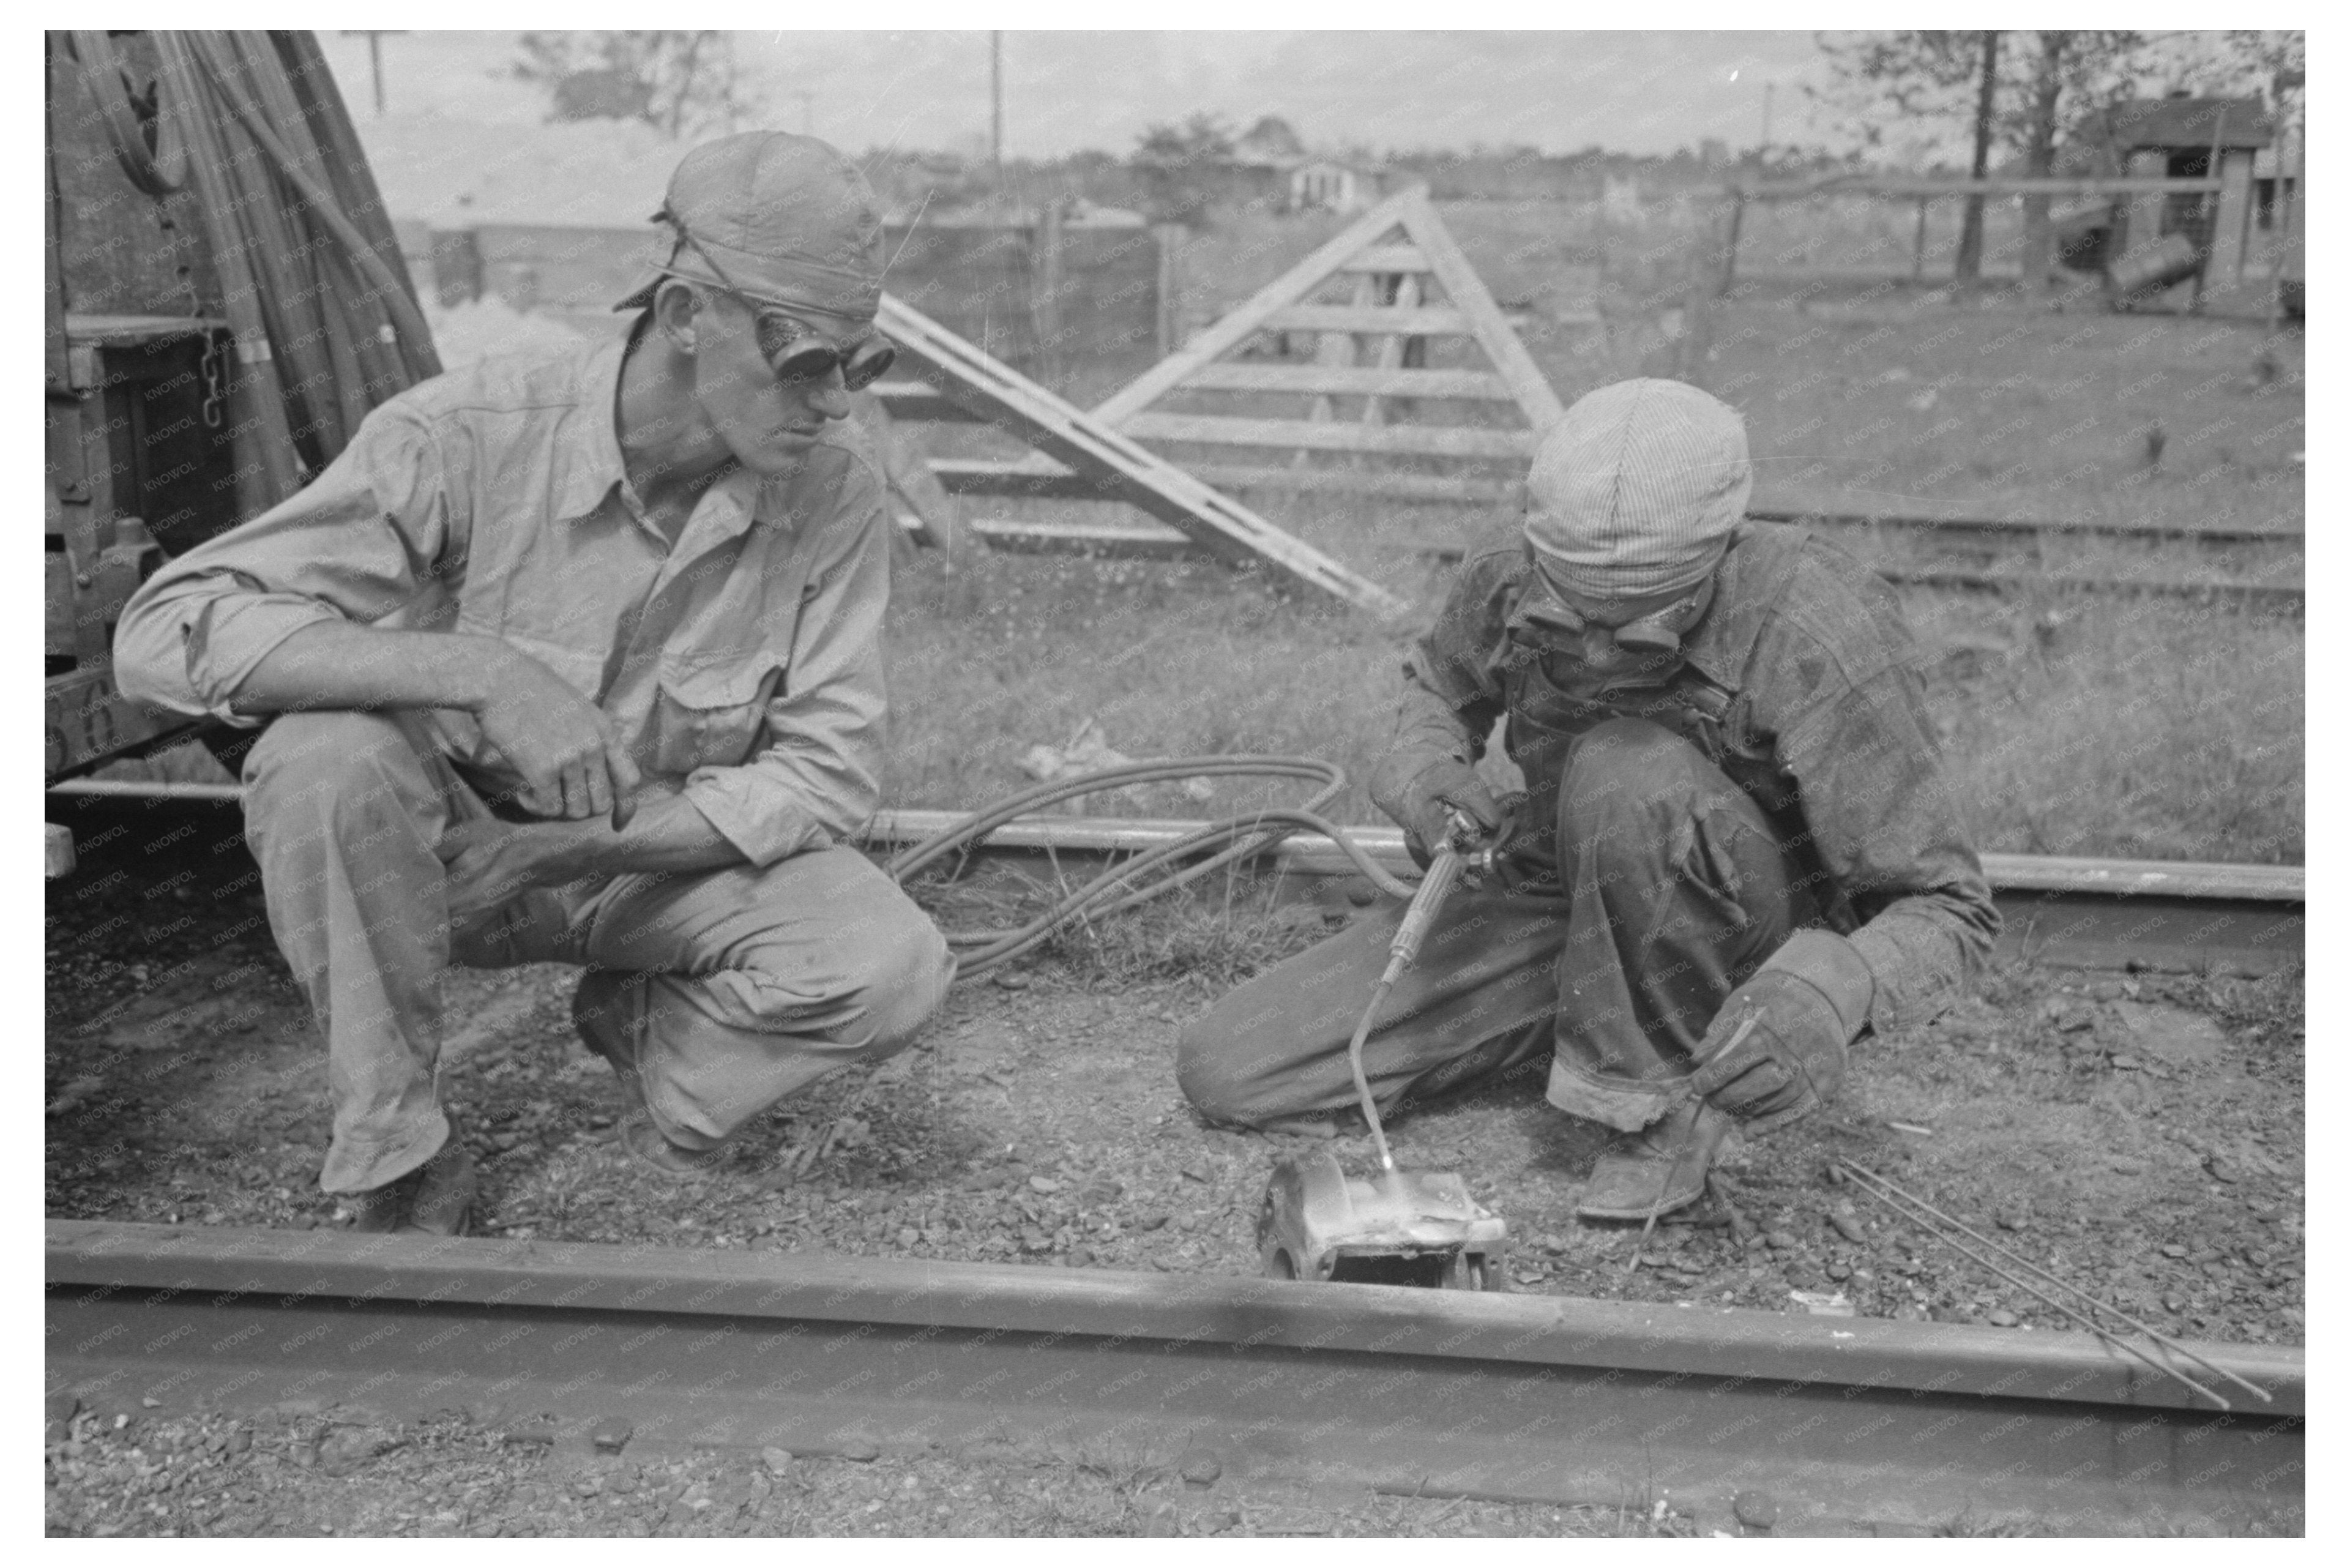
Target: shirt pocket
<point x="710" y="717"/>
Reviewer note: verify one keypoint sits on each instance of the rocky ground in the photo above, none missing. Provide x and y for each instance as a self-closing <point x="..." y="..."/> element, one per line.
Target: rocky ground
<point x="2140" y="1136"/>
<point x="299" y="1470"/>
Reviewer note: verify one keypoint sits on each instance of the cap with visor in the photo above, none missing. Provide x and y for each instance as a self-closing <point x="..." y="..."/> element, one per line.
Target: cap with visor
<point x="1635" y="492"/>
<point x="783" y="220"/>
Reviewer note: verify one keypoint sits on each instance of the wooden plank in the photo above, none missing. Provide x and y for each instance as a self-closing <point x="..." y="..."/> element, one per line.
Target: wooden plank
<point x="1422" y="440"/>
<point x="1387" y="258"/>
<point x="1425" y="321"/>
<point x="1023" y="478"/>
<point x="1468" y="296"/>
<point x="939" y="522"/>
<point x="1127" y="471"/>
<point x="1146" y="542"/>
<point x="56" y="850"/>
<point x="1021" y="537"/>
<point x="914" y="401"/>
<point x="1239" y="325"/>
<point x="2230" y="221"/>
<point x="1391" y="350"/>
<point x="131" y="329"/>
<point x="2054" y="185"/>
<point x="1442" y="488"/>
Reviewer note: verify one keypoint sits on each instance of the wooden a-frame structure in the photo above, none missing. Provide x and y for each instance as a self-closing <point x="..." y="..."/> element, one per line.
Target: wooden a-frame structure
<point x="1078" y="454"/>
<point x="1407" y="284"/>
<point x="1404" y="294"/>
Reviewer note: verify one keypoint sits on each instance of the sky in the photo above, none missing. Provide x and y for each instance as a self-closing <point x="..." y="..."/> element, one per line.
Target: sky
<point x="1064" y="91"/>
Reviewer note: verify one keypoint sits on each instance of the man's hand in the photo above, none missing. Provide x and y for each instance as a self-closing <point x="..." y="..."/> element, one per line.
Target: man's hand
<point x="572" y="765"/>
<point x="491" y="862"/>
<point x="1421" y="790"/>
<point x="1776" y="1050"/>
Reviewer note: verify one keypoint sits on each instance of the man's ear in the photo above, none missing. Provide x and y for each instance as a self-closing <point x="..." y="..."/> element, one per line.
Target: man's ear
<point x="674" y="308"/>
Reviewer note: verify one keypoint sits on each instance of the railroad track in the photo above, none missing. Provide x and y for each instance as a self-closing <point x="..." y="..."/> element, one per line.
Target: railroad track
<point x="2178" y="917"/>
<point x="2171" y="915"/>
<point x="1970" y="546"/>
<point x="1848" y="1423"/>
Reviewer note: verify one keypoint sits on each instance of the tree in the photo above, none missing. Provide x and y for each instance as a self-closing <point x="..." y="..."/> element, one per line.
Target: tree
<point x="673" y="81"/>
<point x="2012" y="91"/>
<point x="1177" y="164"/>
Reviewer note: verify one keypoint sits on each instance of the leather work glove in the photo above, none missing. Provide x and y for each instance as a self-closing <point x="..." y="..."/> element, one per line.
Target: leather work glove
<point x="1421" y="790"/>
<point x="1426" y="774"/>
<point x="1775" y="1051"/>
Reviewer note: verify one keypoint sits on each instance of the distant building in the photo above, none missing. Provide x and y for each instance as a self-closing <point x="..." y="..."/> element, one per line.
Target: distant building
<point x="1336" y="187"/>
<point x="1271" y="167"/>
<point x="2176" y="138"/>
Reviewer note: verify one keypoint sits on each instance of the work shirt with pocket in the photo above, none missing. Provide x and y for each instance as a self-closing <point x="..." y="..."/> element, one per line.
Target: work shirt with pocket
<point x="1801" y="685"/>
<point x="740" y="666"/>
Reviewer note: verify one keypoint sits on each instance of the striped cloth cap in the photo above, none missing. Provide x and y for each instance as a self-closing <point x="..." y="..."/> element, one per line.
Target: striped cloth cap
<point x="1635" y="491"/>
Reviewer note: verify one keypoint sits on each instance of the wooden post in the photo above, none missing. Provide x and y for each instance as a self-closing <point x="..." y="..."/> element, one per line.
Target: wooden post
<point x="2143" y="225"/>
<point x="1170" y="287"/>
<point x="1730" y="250"/>
<point x="1917" y="250"/>
<point x="1047" y="238"/>
<point x="2229" y="227"/>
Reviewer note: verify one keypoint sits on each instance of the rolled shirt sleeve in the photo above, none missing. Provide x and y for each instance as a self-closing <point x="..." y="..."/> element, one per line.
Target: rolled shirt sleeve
<point x="816" y="777"/>
<point x="364" y="539"/>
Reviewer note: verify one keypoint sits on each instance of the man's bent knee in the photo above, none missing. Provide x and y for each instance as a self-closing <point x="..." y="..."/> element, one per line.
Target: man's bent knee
<point x="1624" y="766"/>
<point x="904" y="982"/>
<point x="1219" y="1067"/>
<point x="334" y="765"/>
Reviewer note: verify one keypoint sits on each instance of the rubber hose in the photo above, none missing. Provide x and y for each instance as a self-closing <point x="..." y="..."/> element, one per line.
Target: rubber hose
<point x="1240" y="836"/>
<point x="158" y="171"/>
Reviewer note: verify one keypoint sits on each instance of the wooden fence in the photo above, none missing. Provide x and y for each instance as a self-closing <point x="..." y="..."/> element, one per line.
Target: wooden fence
<point x="1042" y="297"/>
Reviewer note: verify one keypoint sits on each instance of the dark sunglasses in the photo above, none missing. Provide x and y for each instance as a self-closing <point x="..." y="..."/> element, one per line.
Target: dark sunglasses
<point x="795" y="351"/>
<point x="1659" y="631"/>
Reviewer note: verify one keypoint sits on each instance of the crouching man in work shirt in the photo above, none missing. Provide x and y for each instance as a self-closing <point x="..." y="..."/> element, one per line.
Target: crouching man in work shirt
<point x="647" y="577"/>
<point x="1737" y="850"/>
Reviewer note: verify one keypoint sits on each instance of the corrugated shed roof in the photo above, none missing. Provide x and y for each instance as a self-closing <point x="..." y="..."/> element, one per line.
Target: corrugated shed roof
<point x="2189" y="122"/>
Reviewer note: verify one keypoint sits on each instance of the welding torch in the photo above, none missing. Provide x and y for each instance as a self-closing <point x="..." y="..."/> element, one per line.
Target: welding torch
<point x="1466" y="851"/>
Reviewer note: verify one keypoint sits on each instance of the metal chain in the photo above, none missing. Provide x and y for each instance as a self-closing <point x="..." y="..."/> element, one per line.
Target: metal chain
<point x="209" y="365"/>
<point x="211" y="370"/>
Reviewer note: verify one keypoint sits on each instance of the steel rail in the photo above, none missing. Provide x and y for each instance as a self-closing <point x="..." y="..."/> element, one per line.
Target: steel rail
<point x="2067" y="911"/>
<point x="1849" y="1423"/>
<point x="1308" y="853"/>
<point x="1957" y="526"/>
<point x="2177" y="915"/>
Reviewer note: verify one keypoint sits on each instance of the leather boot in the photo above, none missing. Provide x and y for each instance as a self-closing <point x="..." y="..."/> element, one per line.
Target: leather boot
<point x="441" y="1201"/>
<point x="608" y="1012"/>
<point x="378" y="1209"/>
<point x="1657" y="1170"/>
<point x="435" y="1198"/>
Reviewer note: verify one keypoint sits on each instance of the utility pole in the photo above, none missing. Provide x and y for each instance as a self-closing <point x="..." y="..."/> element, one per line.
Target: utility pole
<point x="375" y="59"/>
<point x="996" y="96"/>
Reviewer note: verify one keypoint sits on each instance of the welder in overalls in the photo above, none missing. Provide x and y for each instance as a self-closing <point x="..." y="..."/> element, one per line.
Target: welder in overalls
<point x="1737" y="848"/>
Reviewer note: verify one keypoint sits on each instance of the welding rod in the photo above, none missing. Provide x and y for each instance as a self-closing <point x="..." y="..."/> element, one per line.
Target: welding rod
<point x="1891" y="1192"/>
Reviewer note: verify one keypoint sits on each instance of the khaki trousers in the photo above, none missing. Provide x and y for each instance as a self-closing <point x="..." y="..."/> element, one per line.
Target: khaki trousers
<point x="742" y="984"/>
